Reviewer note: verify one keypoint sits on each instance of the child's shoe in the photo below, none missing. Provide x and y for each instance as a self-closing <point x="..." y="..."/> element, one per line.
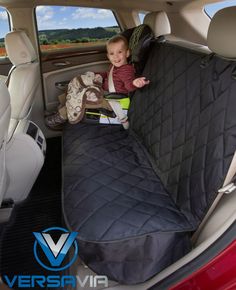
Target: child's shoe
<point x="55" y="121"/>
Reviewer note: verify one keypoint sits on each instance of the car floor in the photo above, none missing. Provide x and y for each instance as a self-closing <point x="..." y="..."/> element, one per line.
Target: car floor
<point x="42" y="209"/>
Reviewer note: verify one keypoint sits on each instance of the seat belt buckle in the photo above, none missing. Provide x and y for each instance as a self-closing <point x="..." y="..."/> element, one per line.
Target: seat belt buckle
<point x="227" y="189"/>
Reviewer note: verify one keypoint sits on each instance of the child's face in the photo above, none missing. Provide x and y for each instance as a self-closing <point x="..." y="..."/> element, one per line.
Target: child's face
<point x="117" y="53"/>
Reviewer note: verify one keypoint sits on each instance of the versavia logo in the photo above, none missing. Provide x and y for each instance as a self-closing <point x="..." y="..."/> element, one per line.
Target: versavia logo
<point x="55" y="252"/>
<point x="51" y="248"/>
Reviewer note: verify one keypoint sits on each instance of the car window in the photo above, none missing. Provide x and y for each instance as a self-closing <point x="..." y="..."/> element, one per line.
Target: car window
<point x="141" y="16"/>
<point x="61" y="27"/>
<point x="212" y="8"/>
<point x="4" y="29"/>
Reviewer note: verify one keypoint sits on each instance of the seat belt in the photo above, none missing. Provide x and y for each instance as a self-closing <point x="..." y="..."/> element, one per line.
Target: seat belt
<point x="228" y="187"/>
<point x="9" y="75"/>
<point x="111" y="86"/>
<point x="116" y="107"/>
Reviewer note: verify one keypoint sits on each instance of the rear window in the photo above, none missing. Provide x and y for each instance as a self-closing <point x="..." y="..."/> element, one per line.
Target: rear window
<point x="4" y="29"/>
<point x="212" y="8"/>
<point x="141" y="15"/>
<point x="61" y="27"/>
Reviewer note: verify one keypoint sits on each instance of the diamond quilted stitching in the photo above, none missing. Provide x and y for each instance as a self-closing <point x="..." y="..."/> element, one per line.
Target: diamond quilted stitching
<point x="193" y="107"/>
<point x="185" y="119"/>
<point x="127" y="183"/>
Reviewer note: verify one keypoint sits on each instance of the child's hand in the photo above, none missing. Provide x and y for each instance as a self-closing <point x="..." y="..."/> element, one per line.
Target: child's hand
<point x="98" y="78"/>
<point x="140" y="82"/>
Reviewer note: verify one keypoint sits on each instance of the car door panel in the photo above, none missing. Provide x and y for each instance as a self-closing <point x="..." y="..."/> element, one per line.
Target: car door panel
<point x="64" y="65"/>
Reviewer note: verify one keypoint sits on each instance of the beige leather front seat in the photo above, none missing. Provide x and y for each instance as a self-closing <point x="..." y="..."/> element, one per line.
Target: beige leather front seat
<point x="24" y="77"/>
<point x="5" y="112"/>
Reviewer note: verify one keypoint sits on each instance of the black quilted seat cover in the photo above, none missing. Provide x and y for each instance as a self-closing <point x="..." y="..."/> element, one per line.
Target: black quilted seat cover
<point x="135" y="197"/>
<point x="187" y="120"/>
<point x="112" y="195"/>
<point x="110" y="181"/>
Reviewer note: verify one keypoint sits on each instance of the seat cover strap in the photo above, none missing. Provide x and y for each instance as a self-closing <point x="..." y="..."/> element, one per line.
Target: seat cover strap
<point x="228" y="187"/>
<point x="111" y="86"/>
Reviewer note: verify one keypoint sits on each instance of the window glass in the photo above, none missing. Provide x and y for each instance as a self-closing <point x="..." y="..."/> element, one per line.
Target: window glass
<point x="62" y="27"/>
<point x="141" y="16"/>
<point x="4" y="29"/>
<point x="212" y="8"/>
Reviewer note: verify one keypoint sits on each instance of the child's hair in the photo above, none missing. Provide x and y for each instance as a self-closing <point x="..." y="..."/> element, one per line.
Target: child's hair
<point x="117" y="38"/>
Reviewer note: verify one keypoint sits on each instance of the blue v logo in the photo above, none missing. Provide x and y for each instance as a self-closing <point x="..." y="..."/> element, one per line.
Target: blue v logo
<point x="55" y="251"/>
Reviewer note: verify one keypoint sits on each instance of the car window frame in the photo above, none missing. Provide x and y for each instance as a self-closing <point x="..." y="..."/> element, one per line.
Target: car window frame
<point x="227" y="2"/>
<point x="4" y="56"/>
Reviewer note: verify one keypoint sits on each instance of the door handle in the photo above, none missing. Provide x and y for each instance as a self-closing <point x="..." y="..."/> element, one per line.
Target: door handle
<point x="61" y="63"/>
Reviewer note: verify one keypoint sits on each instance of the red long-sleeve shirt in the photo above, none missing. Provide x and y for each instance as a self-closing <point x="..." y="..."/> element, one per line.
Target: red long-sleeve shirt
<point x="122" y="78"/>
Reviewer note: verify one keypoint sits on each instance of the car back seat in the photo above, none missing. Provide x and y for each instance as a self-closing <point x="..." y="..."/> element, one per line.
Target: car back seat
<point x="135" y="197"/>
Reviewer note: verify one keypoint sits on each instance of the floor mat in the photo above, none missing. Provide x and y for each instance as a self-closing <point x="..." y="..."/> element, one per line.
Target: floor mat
<point x="41" y="210"/>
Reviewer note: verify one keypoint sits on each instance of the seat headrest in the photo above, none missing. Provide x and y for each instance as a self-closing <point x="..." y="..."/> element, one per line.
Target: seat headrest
<point x="221" y="37"/>
<point x="19" y="48"/>
<point x="159" y="23"/>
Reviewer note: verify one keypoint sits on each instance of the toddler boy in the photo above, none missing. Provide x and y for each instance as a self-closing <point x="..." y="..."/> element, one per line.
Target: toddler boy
<point x="120" y="79"/>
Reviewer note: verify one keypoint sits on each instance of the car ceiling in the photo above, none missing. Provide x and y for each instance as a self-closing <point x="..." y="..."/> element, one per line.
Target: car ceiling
<point x="150" y="5"/>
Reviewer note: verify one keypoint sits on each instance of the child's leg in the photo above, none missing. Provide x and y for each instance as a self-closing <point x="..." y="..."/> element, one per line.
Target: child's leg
<point x="119" y="113"/>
